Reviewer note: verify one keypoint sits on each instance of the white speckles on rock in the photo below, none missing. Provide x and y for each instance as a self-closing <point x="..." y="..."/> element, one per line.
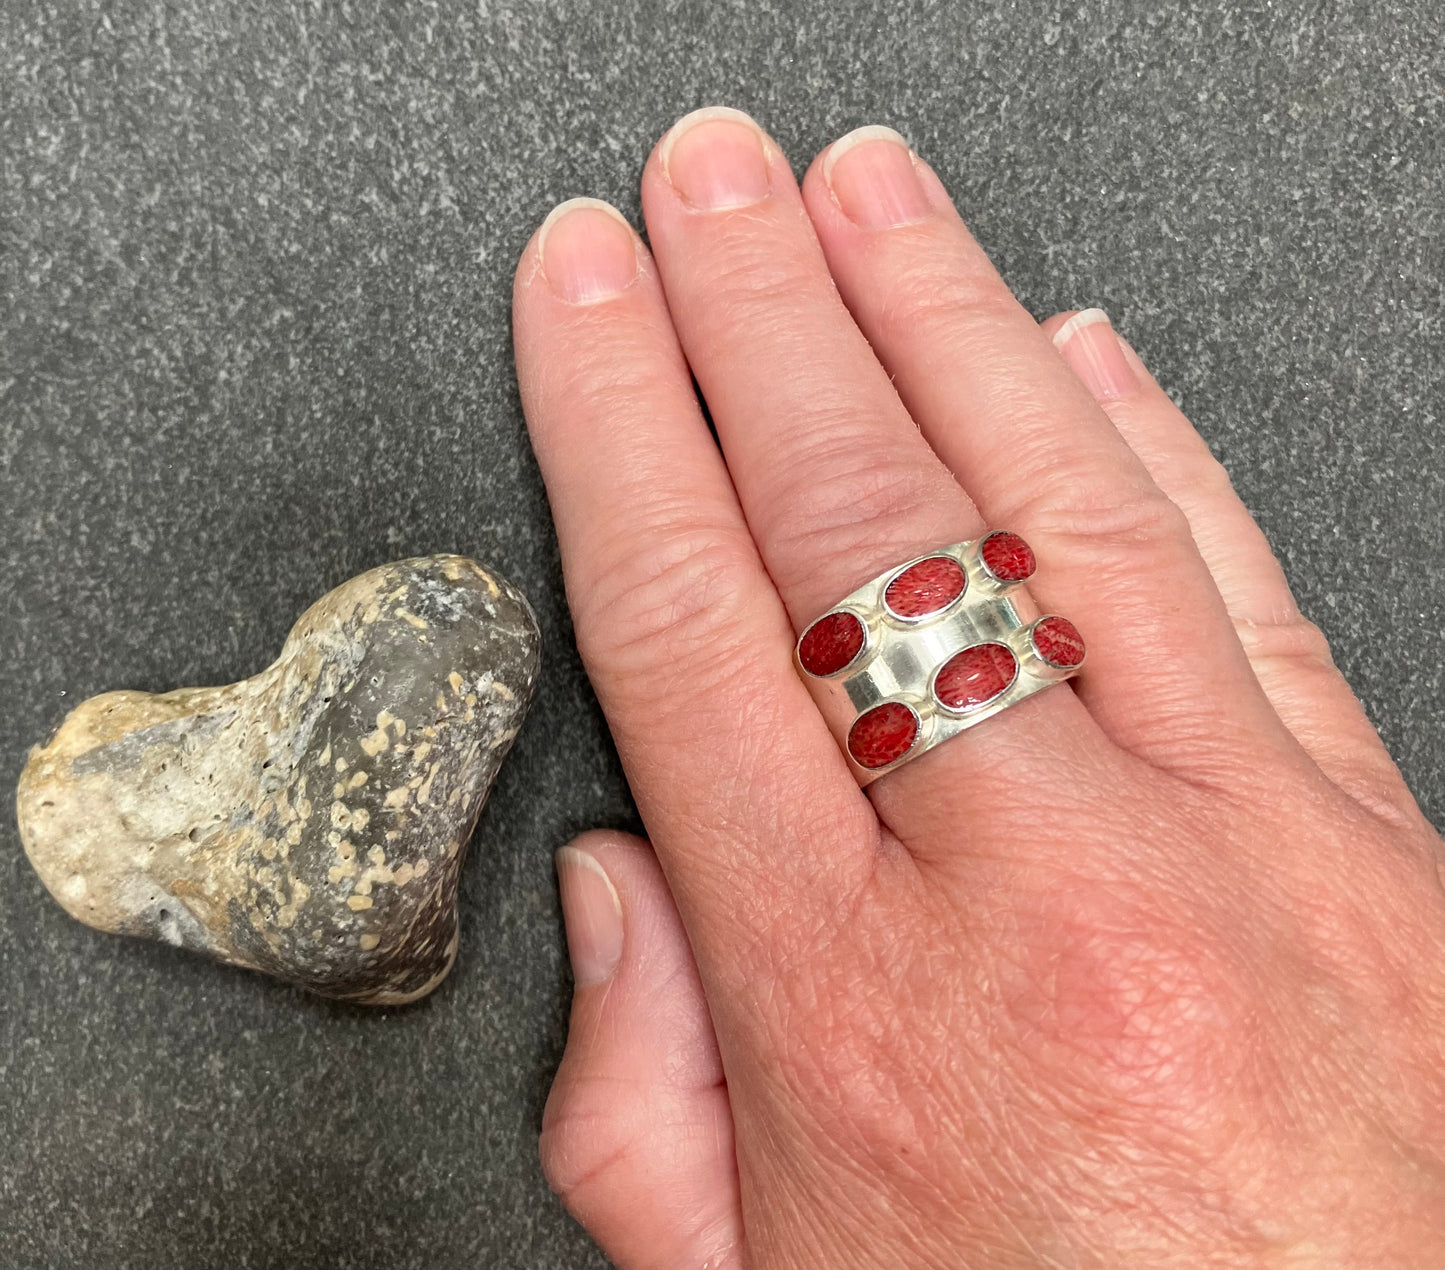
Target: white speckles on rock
<point x="184" y="817"/>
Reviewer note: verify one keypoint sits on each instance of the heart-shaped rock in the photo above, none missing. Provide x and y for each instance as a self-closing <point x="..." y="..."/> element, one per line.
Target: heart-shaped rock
<point x="309" y="822"/>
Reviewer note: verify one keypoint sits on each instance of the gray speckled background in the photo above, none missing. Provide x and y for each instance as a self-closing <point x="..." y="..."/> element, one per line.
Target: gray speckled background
<point x="255" y="258"/>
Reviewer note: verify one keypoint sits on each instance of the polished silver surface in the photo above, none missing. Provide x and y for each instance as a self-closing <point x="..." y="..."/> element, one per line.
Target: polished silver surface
<point x="901" y="656"/>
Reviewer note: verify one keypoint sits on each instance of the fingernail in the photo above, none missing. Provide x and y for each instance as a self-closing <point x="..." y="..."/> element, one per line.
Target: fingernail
<point x="716" y="159"/>
<point x="1092" y="350"/>
<point x="588" y="251"/>
<point x="593" y="916"/>
<point x="872" y="176"/>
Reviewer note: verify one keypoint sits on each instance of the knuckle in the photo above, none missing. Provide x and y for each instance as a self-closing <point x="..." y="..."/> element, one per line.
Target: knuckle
<point x="681" y="603"/>
<point x="583" y="1142"/>
<point x="1103" y="516"/>
<point x="858" y="503"/>
<point x="768" y="309"/>
<point x="955" y="305"/>
<point x="1204" y="474"/>
<point x="745" y="269"/>
<point x="1290" y="638"/>
<point x="607" y="1142"/>
<point x="1183" y="459"/>
<point x="607" y="378"/>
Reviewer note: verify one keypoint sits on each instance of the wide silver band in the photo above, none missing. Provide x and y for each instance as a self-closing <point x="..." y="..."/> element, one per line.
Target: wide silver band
<point x="901" y="663"/>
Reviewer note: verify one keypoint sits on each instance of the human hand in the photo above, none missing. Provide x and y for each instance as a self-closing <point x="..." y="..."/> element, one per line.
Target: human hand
<point x="1145" y="971"/>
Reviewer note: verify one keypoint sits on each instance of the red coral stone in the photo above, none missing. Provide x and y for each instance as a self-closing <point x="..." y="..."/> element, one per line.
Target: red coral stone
<point x="882" y="734"/>
<point x="830" y="643"/>
<point x="1007" y="557"/>
<point x="1058" y="642"/>
<point x="975" y="676"/>
<point x="926" y="587"/>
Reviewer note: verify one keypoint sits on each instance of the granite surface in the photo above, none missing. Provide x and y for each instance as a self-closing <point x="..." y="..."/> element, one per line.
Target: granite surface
<point x="255" y="258"/>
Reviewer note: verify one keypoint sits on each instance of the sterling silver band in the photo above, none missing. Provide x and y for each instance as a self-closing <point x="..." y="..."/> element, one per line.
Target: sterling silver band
<point x="930" y="648"/>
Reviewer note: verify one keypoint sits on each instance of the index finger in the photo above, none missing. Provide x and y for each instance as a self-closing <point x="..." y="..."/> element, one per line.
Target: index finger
<point x="684" y="636"/>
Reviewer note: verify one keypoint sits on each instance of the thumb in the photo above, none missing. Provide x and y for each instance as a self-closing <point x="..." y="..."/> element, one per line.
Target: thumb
<point x="637" y="1137"/>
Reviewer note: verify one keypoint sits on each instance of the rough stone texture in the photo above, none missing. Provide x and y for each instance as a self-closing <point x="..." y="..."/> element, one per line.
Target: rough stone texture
<point x="883" y="734"/>
<point x="254" y="259"/>
<point x="831" y="643"/>
<point x="926" y="587"/>
<point x="1058" y="642"/>
<point x="1007" y="557"/>
<point x="975" y="676"/>
<point x="309" y="822"/>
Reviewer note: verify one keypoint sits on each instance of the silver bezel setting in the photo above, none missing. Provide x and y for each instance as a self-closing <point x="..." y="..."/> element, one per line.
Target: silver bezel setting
<point x="941" y="704"/>
<point x="991" y="580"/>
<point x="920" y="736"/>
<point x="893" y="615"/>
<point x="1051" y="667"/>
<point x="858" y="658"/>
<point x="901" y="657"/>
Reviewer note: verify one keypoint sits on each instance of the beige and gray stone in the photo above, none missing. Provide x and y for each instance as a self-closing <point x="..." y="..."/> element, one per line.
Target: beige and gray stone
<point x="309" y="822"/>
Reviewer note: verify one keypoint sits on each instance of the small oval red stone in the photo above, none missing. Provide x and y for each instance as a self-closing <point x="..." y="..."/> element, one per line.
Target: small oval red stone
<point x="1008" y="557"/>
<point x="1058" y="642"/>
<point x="975" y="676"/>
<point x="883" y="734"/>
<point x="929" y="586"/>
<point x="830" y="643"/>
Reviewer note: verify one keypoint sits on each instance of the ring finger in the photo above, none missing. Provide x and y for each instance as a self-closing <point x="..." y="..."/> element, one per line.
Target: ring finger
<point x="1168" y="677"/>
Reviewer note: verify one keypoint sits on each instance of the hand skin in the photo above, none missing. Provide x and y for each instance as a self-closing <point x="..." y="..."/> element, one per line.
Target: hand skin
<point x="1143" y="972"/>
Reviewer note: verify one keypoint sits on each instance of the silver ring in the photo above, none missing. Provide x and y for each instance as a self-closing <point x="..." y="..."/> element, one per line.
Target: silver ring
<point x="930" y="648"/>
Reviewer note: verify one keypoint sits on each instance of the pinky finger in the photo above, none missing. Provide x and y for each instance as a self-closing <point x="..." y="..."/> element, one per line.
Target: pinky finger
<point x="637" y="1137"/>
<point x="1290" y="655"/>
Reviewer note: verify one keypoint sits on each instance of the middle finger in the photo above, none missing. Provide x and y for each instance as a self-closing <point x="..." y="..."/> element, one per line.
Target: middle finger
<point x="834" y="478"/>
<point x="832" y="472"/>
